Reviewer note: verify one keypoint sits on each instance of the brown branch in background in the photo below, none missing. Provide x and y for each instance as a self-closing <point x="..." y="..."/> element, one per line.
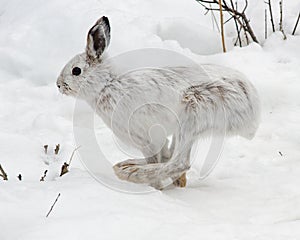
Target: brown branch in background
<point x="56" y="150"/>
<point x="222" y="26"/>
<point x="296" y="25"/>
<point x="266" y="24"/>
<point x="280" y="21"/>
<point x="46" y="148"/>
<point x="53" y="205"/>
<point x="271" y="15"/>
<point x="19" y="177"/>
<point x="65" y="166"/>
<point x="3" y="173"/>
<point x="42" y="179"/>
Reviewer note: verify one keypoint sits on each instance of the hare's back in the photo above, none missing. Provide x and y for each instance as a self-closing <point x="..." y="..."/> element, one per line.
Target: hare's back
<point x="226" y="94"/>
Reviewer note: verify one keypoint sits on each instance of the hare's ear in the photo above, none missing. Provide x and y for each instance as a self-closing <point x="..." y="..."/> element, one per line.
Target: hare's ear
<point x="98" y="38"/>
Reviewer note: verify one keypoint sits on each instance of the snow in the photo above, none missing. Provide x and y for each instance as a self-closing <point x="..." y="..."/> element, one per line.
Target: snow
<point x="252" y="193"/>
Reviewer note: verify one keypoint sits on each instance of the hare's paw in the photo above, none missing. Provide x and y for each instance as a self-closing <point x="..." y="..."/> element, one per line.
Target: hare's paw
<point x="137" y="173"/>
<point x="181" y="181"/>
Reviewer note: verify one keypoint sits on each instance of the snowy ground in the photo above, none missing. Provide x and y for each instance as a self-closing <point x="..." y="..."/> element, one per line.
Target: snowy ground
<point x="253" y="193"/>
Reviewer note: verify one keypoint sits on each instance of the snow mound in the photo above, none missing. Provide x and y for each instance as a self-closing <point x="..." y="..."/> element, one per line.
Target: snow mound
<point x="199" y="39"/>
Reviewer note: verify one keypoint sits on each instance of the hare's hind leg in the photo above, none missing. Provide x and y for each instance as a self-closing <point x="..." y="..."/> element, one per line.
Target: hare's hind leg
<point x="122" y="169"/>
<point x="159" y="174"/>
<point x="181" y="181"/>
<point x="154" y="173"/>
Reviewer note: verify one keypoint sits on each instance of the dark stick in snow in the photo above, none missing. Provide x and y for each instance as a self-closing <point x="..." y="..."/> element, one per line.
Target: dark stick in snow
<point x="43" y="177"/>
<point x="46" y="148"/>
<point x="53" y="205"/>
<point x="3" y="173"/>
<point x="56" y="150"/>
<point x="19" y="177"/>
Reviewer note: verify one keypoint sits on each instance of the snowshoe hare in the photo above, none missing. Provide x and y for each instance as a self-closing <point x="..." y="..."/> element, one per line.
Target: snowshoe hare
<point x="187" y="103"/>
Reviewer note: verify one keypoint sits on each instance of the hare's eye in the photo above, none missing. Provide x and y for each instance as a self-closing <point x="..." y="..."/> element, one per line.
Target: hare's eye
<point x="76" y="71"/>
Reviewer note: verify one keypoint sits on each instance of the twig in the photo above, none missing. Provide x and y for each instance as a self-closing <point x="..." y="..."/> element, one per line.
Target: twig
<point x="296" y="25"/>
<point x="228" y="20"/>
<point x="280" y="21"/>
<point x="65" y="166"/>
<point x="53" y="205"/>
<point x="222" y="26"/>
<point x="43" y="177"/>
<point x="236" y="24"/>
<point x="3" y="173"/>
<point x="73" y="154"/>
<point x="271" y="15"/>
<point x="246" y="36"/>
<point x="214" y="20"/>
<point x="46" y="148"/>
<point x="56" y="150"/>
<point x="239" y="32"/>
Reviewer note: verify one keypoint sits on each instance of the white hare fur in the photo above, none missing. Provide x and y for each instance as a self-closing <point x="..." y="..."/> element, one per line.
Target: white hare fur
<point x="187" y="102"/>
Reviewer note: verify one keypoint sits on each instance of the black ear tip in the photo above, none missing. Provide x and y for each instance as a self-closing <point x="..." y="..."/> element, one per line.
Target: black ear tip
<point x="105" y="20"/>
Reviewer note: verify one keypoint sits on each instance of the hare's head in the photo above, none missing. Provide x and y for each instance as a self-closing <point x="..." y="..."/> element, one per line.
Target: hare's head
<point x="75" y="75"/>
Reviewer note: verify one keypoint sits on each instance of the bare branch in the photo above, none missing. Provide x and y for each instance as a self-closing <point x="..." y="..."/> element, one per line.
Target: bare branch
<point x="296" y="25"/>
<point x="246" y="5"/>
<point x="236" y="24"/>
<point x="271" y="15"/>
<point x="280" y="21"/>
<point x="233" y="12"/>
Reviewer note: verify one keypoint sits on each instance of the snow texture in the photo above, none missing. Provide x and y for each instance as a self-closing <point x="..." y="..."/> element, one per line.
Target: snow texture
<point x="253" y="193"/>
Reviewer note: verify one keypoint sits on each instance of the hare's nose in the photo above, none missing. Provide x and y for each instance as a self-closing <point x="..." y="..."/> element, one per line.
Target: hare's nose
<point x="58" y="85"/>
